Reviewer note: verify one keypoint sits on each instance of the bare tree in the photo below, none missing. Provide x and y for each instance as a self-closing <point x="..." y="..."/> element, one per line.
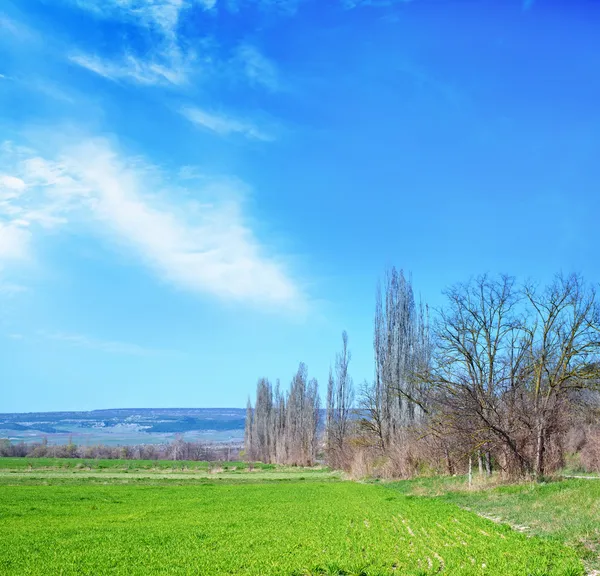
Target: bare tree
<point x="284" y="430"/>
<point x="302" y="419"/>
<point x="563" y="352"/>
<point x="500" y="377"/>
<point x="479" y="354"/>
<point x="508" y="363"/>
<point x="401" y="346"/>
<point x="248" y="436"/>
<point x="340" y="400"/>
<point x="262" y="424"/>
<point x="370" y="408"/>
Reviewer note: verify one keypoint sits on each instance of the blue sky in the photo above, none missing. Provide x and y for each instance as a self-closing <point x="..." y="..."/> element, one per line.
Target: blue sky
<point x="197" y="193"/>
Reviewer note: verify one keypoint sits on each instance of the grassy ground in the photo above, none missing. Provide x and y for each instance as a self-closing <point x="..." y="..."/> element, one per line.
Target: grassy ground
<point x="566" y="511"/>
<point x="149" y="521"/>
<point x="34" y="471"/>
<point x="116" y="464"/>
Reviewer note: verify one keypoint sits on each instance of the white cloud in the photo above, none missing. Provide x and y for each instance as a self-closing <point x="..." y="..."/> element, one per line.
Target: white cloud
<point x="279" y="7"/>
<point x="11" y="182"/>
<point x="205" y="247"/>
<point x="14" y="241"/>
<point x="376" y="3"/>
<point x="165" y="62"/>
<point x="156" y="14"/>
<point x="110" y="346"/>
<point x="145" y="72"/>
<point x="258" y="68"/>
<point x="221" y="124"/>
<point x="51" y="90"/>
<point x="15" y="29"/>
<point x="10" y="187"/>
<point x="166" y="56"/>
<point x="9" y="289"/>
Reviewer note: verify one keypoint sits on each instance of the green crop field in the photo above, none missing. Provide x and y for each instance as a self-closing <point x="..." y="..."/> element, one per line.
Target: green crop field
<point x="305" y="526"/>
<point x="116" y="464"/>
<point x="567" y="511"/>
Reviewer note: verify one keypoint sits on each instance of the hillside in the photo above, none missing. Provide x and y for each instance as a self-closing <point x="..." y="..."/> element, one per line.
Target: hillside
<point x="125" y="426"/>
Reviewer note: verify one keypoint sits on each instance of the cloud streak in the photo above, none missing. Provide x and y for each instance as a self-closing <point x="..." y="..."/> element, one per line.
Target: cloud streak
<point x="204" y="246"/>
<point x="222" y="124"/>
<point x="109" y="346"/>
<point x="164" y="62"/>
<point x="145" y="72"/>
<point x="259" y="70"/>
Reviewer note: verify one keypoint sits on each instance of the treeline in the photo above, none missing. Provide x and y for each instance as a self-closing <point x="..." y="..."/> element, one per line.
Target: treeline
<point x="504" y="375"/>
<point x="282" y="427"/>
<point x="177" y="450"/>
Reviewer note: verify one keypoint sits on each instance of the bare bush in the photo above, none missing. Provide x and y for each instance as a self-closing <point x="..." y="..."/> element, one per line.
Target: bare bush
<point x="590" y="452"/>
<point x="178" y="450"/>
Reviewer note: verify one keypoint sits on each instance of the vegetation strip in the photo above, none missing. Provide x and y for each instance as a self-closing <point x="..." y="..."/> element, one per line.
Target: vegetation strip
<point x="295" y="528"/>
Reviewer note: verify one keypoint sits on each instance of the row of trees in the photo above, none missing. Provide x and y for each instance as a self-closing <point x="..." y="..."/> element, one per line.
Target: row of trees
<point x="283" y="427"/>
<point x="502" y="372"/>
<point x="510" y="364"/>
<point x="176" y="450"/>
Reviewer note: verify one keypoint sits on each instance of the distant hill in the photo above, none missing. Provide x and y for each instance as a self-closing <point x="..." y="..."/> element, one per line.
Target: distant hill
<point x="126" y="426"/>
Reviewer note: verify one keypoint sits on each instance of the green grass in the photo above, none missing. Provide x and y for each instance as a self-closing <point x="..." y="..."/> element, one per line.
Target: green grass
<point x="35" y="471"/>
<point x="291" y="528"/>
<point x="565" y="511"/>
<point x="116" y="464"/>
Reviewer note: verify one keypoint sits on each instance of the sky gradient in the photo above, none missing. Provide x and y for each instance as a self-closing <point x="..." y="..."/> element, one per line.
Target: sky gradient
<point x="197" y="193"/>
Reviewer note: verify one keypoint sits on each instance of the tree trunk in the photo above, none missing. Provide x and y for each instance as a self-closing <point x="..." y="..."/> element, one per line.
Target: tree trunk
<point x="449" y="465"/>
<point x="470" y="470"/>
<point x="540" y="449"/>
<point x="488" y="463"/>
<point x="480" y="462"/>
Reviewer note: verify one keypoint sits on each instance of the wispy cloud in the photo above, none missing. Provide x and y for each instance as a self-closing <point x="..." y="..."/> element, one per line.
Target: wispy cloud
<point x="10" y="289"/>
<point x="160" y="14"/>
<point x="222" y="124"/>
<point x="167" y="54"/>
<point x="258" y="69"/>
<point x="18" y="212"/>
<point x="164" y="62"/>
<point x="424" y="79"/>
<point x="134" y="69"/>
<point x="349" y="4"/>
<point x="110" y="346"/>
<point x="14" y="235"/>
<point x="205" y="247"/>
<point x="14" y="241"/>
<point x="280" y="7"/>
<point x="10" y="185"/>
<point x="15" y="29"/>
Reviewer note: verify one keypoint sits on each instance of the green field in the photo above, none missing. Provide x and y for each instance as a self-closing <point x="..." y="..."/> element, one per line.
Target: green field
<point x="92" y="521"/>
<point x="117" y="464"/>
<point x="36" y="471"/>
<point x="566" y="511"/>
